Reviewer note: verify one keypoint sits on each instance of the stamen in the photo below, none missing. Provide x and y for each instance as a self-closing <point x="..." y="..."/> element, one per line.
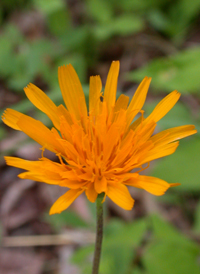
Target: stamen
<point x="143" y="168"/>
<point x="60" y="158"/>
<point x="42" y="153"/>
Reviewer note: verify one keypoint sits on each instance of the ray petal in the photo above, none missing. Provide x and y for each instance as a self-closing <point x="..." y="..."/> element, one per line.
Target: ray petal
<point x="173" y="134"/>
<point x="120" y="195"/>
<point x="43" y="103"/>
<point x="65" y="201"/>
<point x="156" y="153"/>
<point x="10" y="117"/>
<point x="138" y="100"/>
<point x="72" y="92"/>
<point x="121" y="103"/>
<point x="164" y="106"/>
<point x="153" y="185"/>
<point x="111" y="85"/>
<point x="21" y="163"/>
<point x="73" y="184"/>
<point x="40" y="133"/>
<point x="100" y="184"/>
<point x="38" y="178"/>
<point x="91" y="193"/>
<point x="94" y="94"/>
<point x="44" y="170"/>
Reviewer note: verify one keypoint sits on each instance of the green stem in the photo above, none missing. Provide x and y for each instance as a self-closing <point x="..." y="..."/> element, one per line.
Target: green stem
<point x="99" y="234"/>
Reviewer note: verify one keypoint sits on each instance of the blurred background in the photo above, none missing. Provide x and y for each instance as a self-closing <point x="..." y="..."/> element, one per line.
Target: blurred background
<point x="153" y="38"/>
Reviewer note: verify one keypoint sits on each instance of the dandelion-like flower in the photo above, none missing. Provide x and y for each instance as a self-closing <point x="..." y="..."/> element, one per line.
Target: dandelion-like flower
<point x="100" y="150"/>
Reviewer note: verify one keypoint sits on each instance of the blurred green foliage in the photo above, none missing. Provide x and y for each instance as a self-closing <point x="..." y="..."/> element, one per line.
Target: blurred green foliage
<point x="188" y="173"/>
<point x="156" y="245"/>
<point x="150" y="245"/>
<point x="180" y="70"/>
<point x="81" y="45"/>
<point x="68" y="218"/>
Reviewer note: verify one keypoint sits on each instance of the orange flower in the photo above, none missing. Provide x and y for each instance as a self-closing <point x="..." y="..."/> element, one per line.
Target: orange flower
<point x="99" y="148"/>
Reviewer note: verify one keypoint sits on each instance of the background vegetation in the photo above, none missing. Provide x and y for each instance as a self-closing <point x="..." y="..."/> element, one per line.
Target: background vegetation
<point x="150" y="37"/>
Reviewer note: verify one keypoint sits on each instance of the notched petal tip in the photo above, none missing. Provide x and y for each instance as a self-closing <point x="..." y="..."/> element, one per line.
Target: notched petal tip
<point x="6" y="158"/>
<point x="63" y="66"/>
<point x="10" y="117"/>
<point x="147" y="78"/>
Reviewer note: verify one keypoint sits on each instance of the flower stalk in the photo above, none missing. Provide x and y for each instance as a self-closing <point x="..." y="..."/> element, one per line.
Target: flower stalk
<point x="99" y="233"/>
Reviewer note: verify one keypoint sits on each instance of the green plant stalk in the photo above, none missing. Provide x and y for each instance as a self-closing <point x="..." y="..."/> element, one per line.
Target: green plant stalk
<point x="99" y="234"/>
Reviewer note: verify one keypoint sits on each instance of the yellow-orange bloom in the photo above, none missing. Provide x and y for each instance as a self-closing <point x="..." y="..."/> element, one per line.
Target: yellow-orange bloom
<point x="97" y="148"/>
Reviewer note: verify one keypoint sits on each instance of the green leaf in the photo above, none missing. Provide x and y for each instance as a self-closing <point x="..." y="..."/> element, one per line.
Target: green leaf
<point x="116" y="258"/>
<point x="121" y="25"/>
<point x="180" y="71"/>
<point x="83" y="258"/>
<point x="13" y="35"/>
<point x="100" y="10"/>
<point x="189" y="11"/>
<point x="1" y="232"/>
<point x="179" y="25"/>
<point x="197" y="219"/>
<point x="141" y="5"/>
<point x="2" y="133"/>
<point x="162" y="230"/>
<point x="120" y="240"/>
<point x="59" y="22"/>
<point x="6" y="57"/>
<point x="39" y="57"/>
<point x="128" y="234"/>
<point x="127" y="24"/>
<point x="137" y="270"/>
<point x="168" y="257"/>
<point x="73" y="40"/>
<point x="49" y="6"/>
<point x="169" y="251"/>
<point x="66" y="218"/>
<point x="182" y="166"/>
<point x="33" y="61"/>
<point x="158" y="20"/>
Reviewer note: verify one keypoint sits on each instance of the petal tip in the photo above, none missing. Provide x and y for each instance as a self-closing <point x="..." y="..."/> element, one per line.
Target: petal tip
<point x="148" y="78"/>
<point x="116" y="64"/>
<point x="133" y="202"/>
<point x="174" y="184"/>
<point x="6" y="158"/>
<point x="177" y="93"/>
<point x="53" y="210"/>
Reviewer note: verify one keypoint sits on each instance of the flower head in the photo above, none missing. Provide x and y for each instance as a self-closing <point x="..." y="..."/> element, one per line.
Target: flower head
<point x="97" y="148"/>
